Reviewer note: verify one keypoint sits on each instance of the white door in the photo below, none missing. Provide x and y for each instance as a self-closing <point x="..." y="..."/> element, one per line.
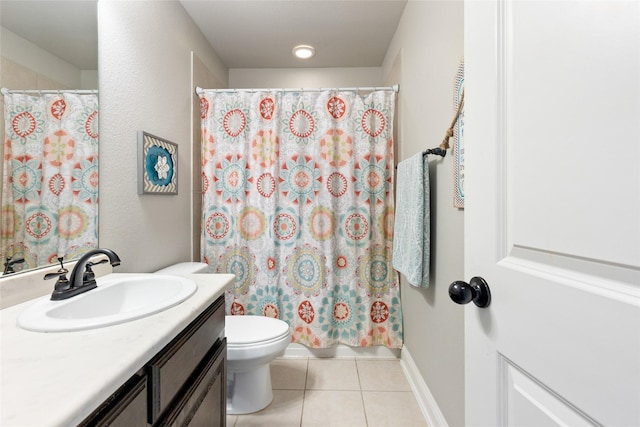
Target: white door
<point x="552" y="219"/>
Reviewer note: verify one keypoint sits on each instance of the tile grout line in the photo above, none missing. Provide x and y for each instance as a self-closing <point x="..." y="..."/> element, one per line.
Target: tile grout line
<point x="304" y="390"/>
<point x="364" y="410"/>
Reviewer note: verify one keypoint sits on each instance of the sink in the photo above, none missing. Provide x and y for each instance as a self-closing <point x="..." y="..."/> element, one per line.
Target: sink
<point x="115" y="300"/>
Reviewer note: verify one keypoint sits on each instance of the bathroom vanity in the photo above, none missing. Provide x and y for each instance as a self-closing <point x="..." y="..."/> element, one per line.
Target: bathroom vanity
<point x="163" y="369"/>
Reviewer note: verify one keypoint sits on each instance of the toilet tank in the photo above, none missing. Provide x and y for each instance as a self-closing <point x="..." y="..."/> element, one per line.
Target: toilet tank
<point x="185" y="268"/>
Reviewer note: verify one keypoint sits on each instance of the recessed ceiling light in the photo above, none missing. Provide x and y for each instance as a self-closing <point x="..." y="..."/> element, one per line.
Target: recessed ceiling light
<point x="303" y="51"/>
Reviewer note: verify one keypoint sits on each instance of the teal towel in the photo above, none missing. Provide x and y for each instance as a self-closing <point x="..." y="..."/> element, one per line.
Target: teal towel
<point x="412" y="240"/>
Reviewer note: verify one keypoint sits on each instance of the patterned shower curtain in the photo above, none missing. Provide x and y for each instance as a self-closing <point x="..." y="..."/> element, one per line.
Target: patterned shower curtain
<point x="50" y="176"/>
<point x="298" y="204"/>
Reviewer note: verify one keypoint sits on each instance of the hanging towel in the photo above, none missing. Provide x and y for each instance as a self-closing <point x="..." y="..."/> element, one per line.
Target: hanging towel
<point x="412" y="227"/>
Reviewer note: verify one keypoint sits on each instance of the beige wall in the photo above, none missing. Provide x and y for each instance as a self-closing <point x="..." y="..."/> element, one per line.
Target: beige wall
<point x="430" y="41"/>
<point x="145" y="56"/>
<point x="28" y="66"/>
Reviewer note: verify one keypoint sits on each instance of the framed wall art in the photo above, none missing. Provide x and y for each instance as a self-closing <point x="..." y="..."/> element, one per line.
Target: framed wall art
<point x="157" y="165"/>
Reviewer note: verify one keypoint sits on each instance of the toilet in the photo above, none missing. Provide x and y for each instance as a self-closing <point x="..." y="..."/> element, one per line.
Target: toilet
<point x="185" y="268"/>
<point x="252" y="343"/>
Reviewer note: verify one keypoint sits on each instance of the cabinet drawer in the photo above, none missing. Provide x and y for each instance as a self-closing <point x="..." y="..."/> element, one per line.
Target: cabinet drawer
<point x="202" y="403"/>
<point x="172" y="368"/>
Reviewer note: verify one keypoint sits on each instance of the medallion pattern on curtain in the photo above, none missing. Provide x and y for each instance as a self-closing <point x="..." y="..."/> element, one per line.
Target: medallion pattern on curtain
<point x="298" y="204"/>
<point x="50" y="176"/>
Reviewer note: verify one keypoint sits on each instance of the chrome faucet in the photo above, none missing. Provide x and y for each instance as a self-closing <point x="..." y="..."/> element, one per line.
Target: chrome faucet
<point x="82" y="277"/>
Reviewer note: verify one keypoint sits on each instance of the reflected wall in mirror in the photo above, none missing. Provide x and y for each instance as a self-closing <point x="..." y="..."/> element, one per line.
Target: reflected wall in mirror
<point x="49" y="129"/>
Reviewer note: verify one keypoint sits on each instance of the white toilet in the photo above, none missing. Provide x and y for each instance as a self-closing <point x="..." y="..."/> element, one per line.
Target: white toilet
<point x="252" y="343"/>
<point x="185" y="268"/>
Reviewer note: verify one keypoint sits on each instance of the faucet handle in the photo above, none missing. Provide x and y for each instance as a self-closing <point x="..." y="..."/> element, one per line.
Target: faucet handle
<point x="62" y="284"/>
<point x="89" y="277"/>
<point x="9" y="263"/>
<point x="91" y="264"/>
<point x="60" y="273"/>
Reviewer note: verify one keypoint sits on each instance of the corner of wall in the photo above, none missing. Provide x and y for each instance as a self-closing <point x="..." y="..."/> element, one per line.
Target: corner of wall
<point x="427" y="63"/>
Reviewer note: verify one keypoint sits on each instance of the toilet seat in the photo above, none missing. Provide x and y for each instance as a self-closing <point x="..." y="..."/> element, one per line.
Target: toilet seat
<point x="254" y="330"/>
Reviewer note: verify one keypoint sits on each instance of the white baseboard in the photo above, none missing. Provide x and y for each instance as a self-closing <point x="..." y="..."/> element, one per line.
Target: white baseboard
<point x="426" y="401"/>
<point x="342" y="351"/>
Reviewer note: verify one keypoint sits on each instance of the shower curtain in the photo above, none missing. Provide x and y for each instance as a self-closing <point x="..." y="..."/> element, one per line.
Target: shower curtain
<point x="298" y="204"/>
<point x="50" y="176"/>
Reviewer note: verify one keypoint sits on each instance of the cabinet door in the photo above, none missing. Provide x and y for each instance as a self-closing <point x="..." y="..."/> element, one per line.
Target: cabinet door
<point x="212" y="410"/>
<point x="202" y="402"/>
<point x="173" y="367"/>
<point x="126" y="408"/>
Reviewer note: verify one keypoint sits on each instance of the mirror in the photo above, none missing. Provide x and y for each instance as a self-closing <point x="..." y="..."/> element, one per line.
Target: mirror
<point x="50" y="46"/>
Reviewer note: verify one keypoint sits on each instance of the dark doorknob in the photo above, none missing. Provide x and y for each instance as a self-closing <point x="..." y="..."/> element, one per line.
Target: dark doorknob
<point x="476" y="290"/>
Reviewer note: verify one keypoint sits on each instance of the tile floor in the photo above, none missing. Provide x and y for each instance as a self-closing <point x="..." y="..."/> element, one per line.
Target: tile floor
<point x="336" y="392"/>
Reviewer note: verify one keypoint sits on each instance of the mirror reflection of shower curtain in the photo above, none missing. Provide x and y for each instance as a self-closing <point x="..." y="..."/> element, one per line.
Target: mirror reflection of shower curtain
<point x="298" y="204"/>
<point x="50" y="176"/>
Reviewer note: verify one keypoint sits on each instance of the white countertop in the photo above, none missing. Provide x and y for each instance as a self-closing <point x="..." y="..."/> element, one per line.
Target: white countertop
<point x="58" y="379"/>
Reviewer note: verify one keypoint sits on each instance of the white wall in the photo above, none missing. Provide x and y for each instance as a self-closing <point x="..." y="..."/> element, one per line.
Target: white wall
<point x="429" y="39"/>
<point x="145" y="84"/>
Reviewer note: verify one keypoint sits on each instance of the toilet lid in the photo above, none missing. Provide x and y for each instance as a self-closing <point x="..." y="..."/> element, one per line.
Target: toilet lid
<point x="253" y="329"/>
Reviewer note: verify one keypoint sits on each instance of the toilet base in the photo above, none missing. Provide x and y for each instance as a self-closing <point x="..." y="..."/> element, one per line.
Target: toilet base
<point x="249" y="391"/>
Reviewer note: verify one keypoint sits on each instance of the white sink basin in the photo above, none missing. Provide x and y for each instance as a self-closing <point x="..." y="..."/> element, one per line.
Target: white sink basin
<point x="115" y="300"/>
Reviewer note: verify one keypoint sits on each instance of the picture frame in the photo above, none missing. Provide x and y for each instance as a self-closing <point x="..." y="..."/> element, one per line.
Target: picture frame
<point x="458" y="140"/>
<point x="157" y="165"/>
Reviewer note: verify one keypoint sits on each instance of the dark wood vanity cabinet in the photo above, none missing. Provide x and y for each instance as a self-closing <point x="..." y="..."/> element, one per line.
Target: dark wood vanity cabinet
<point x="184" y="384"/>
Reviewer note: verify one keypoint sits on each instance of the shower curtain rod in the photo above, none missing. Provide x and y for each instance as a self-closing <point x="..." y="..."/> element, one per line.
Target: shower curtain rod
<point x="395" y="88"/>
<point x="6" y="91"/>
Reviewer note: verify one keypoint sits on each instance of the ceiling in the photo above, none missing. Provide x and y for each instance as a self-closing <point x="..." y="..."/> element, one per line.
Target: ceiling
<point x="68" y="29"/>
<point x="261" y="33"/>
<point x="243" y="33"/>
